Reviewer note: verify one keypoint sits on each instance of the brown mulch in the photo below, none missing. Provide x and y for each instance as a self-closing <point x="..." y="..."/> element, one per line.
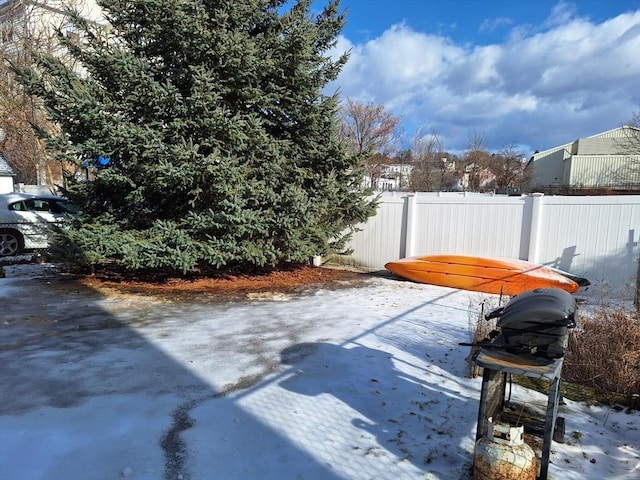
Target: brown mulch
<point x="225" y="284"/>
<point x="287" y="280"/>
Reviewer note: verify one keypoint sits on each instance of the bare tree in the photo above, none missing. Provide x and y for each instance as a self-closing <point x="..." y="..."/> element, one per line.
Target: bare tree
<point x="427" y="153"/>
<point x="21" y="146"/>
<point x="509" y="168"/>
<point x="626" y="175"/>
<point x="474" y="162"/>
<point x="404" y="159"/>
<point x="630" y="144"/>
<point x="370" y="132"/>
<point x="27" y="27"/>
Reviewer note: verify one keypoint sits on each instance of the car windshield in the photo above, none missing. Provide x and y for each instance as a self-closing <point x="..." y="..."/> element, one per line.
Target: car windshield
<point x="53" y="205"/>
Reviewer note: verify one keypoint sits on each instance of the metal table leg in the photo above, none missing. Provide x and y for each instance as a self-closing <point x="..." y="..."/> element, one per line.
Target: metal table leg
<point x="549" y="425"/>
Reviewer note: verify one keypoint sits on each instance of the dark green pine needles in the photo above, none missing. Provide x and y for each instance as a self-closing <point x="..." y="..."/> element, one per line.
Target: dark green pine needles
<point x="222" y="143"/>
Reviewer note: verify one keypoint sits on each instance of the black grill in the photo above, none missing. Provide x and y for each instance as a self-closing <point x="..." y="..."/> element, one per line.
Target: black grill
<point x="535" y="322"/>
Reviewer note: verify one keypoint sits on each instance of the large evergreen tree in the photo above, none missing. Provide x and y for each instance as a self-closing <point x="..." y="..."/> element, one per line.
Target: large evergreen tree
<point x="222" y="145"/>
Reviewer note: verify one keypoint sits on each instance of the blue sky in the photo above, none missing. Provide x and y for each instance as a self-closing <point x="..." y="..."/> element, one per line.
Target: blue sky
<point x="535" y="74"/>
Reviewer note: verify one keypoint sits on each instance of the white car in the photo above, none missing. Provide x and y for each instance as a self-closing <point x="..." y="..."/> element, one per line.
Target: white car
<point x="26" y="220"/>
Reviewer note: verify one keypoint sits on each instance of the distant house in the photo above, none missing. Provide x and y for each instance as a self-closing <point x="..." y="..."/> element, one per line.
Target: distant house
<point x="601" y="161"/>
<point x="6" y="176"/>
<point x="476" y="178"/>
<point x="26" y="24"/>
<point x="395" y="176"/>
<point x="32" y="22"/>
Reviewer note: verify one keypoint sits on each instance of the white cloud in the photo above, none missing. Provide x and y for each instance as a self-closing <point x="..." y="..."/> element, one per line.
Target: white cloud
<point x="489" y="25"/>
<point x="561" y="13"/>
<point x="574" y="76"/>
<point x="397" y="61"/>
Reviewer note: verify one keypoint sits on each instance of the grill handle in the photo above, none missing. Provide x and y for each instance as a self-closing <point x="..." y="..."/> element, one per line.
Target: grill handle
<point x="495" y="313"/>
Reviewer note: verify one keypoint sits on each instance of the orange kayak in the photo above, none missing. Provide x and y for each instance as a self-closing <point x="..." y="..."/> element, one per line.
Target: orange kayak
<point x="481" y="274"/>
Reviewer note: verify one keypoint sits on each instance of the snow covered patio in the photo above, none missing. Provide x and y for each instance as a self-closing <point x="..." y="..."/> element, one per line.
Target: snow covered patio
<point x="366" y="381"/>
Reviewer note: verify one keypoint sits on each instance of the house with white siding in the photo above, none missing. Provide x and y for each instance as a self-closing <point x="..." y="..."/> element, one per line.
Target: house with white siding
<point x="27" y="24"/>
<point x="602" y="161"/>
<point x="33" y="22"/>
<point x="6" y="176"/>
<point x="394" y="177"/>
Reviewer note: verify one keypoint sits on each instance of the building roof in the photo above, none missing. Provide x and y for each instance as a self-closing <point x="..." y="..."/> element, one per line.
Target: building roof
<point x="617" y="132"/>
<point x="5" y="168"/>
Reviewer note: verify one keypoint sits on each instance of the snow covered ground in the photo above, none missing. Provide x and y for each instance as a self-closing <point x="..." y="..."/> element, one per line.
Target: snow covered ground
<point x="362" y="382"/>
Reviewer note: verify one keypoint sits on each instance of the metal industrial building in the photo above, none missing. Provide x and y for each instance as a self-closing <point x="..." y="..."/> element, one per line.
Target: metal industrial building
<point x="608" y="160"/>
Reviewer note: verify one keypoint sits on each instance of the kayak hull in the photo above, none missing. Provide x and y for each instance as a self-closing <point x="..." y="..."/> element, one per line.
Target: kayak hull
<point x="480" y="274"/>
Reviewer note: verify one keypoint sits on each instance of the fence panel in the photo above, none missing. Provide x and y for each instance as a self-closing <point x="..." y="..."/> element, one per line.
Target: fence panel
<point x="382" y="238"/>
<point x="594" y="237"/>
<point x="490" y="226"/>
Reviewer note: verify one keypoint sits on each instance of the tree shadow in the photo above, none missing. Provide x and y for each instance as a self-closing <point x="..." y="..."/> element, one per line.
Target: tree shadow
<point x="90" y="390"/>
<point x="615" y="275"/>
<point x="409" y="418"/>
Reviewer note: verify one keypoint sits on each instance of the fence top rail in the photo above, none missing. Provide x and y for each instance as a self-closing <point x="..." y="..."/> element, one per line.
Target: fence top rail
<point x="593" y="200"/>
<point x="470" y="197"/>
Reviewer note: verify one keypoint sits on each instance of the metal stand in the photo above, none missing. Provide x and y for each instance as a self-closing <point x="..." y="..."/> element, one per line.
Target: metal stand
<point x="496" y="365"/>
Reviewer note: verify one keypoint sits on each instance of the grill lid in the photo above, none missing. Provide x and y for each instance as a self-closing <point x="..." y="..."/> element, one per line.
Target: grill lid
<point x="539" y="308"/>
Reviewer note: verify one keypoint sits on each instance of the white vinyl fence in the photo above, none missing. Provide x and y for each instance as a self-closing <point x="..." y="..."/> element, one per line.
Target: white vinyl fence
<point x="593" y="237"/>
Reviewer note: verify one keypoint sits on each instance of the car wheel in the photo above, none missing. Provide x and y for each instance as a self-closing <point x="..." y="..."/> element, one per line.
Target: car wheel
<point x="11" y="243"/>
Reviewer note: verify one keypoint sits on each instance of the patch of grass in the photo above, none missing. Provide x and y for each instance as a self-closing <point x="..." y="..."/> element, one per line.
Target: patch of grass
<point x="575" y="392"/>
<point x="602" y="365"/>
<point x="604" y="352"/>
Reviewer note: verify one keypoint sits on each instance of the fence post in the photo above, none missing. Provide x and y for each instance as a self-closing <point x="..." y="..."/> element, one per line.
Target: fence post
<point x="534" y="228"/>
<point x="637" y="296"/>
<point x="409" y="240"/>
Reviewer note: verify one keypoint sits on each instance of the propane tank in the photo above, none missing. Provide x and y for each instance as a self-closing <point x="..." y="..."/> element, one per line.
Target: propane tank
<point x="503" y="455"/>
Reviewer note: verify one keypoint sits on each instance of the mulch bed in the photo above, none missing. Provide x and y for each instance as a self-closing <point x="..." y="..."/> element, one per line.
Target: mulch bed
<point x="288" y="279"/>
